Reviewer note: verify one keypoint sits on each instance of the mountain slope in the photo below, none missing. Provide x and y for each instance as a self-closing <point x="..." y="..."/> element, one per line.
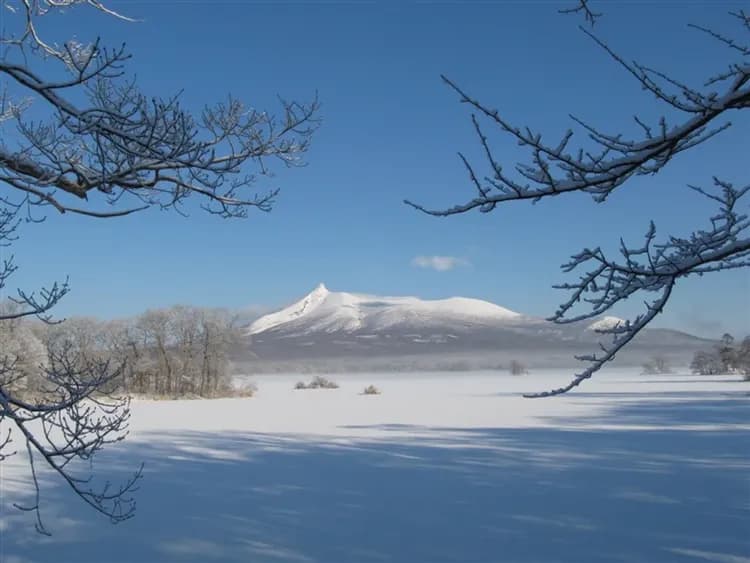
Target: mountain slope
<point x="323" y="310"/>
<point x="335" y="331"/>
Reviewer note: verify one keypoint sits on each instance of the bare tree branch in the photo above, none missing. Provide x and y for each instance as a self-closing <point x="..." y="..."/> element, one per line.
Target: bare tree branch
<point x="558" y="168"/>
<point x="652" y="268"/>
<point x="122" y="142"/>
<point x="98" y="146"/>
<point x="71" y="419"/>
<point x="583" y="8"/>
<point x="605" y="164"/>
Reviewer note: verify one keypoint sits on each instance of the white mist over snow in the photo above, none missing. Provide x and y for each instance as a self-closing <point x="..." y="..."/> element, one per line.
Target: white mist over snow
<point x="324" y="310"/>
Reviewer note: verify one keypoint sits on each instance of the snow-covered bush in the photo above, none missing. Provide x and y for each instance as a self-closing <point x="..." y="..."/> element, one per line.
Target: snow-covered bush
<point x="706" y="363"/>
<point x="318" y="382"/>
<point x="371" y="390"/>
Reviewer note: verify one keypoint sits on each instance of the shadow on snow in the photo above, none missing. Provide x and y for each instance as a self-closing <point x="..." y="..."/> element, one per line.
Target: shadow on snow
<point x="444" y="494"/>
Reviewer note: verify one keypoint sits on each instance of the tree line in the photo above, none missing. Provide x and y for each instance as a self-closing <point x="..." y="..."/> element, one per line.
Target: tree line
<point x="173" y="352"/>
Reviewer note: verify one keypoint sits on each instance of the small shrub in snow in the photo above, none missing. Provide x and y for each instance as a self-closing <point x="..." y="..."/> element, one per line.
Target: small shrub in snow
<point x="657" y="365"/>
<point x="247" y="390"/>
<point x="371" y="390"/>
<point x="318" y="382"/>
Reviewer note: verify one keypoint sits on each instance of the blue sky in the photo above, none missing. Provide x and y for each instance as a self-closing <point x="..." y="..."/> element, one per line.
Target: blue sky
<point x="391" y="131"/>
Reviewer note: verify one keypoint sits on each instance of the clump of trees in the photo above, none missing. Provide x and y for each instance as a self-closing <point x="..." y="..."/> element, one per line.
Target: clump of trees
<point x="174" y="352"/>
<point x="726" y="357"/>
<point x="706" y="363"/>
<point x="656" y="365"/>
<point x="22" y="355"/>
<point x="517" y="368"/>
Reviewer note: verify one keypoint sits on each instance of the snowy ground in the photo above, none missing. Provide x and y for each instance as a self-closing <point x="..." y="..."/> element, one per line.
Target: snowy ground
<point x="438" y="468"/>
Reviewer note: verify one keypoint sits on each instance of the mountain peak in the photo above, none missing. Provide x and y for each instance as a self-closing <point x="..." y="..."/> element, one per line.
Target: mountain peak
<point x="323" y="310"/>
<point x="303" y="307"/>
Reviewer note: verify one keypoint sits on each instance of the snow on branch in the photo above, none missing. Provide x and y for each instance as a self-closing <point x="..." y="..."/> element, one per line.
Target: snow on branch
<point x="27" y="304"/>
<point x="106" y="136"/>
<point x="605" y="162"/>
<point x="69" y="420"/>
<point x="99" y="146"/>
<point x="557" y="167"/>
<point x="653" y="268"/>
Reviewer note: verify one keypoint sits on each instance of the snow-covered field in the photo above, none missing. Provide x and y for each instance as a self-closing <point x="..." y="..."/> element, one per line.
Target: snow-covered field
<point x="454" y="467"/>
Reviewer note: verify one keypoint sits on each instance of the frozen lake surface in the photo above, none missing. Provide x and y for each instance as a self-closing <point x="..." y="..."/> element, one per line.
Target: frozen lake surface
<point x="439" y="467"/>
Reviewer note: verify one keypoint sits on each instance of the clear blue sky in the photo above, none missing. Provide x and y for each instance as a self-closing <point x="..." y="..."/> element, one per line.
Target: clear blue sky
<point x="391" y="131"/>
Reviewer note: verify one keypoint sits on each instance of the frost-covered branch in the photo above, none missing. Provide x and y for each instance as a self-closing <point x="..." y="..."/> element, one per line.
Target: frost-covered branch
<point x="610" y="159"/>
<point x="651" y="268"/>
<point x="69" y="418"/>
<point x="603" y="163"/>
<point x="104" y="135"/>
<point x="37" y="304"/>
<point x="99" y="146"/>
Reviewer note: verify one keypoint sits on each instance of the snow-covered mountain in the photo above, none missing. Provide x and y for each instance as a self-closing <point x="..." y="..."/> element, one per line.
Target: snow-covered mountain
<point x="339" y="331"/>
<point x="327" y="311"/>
